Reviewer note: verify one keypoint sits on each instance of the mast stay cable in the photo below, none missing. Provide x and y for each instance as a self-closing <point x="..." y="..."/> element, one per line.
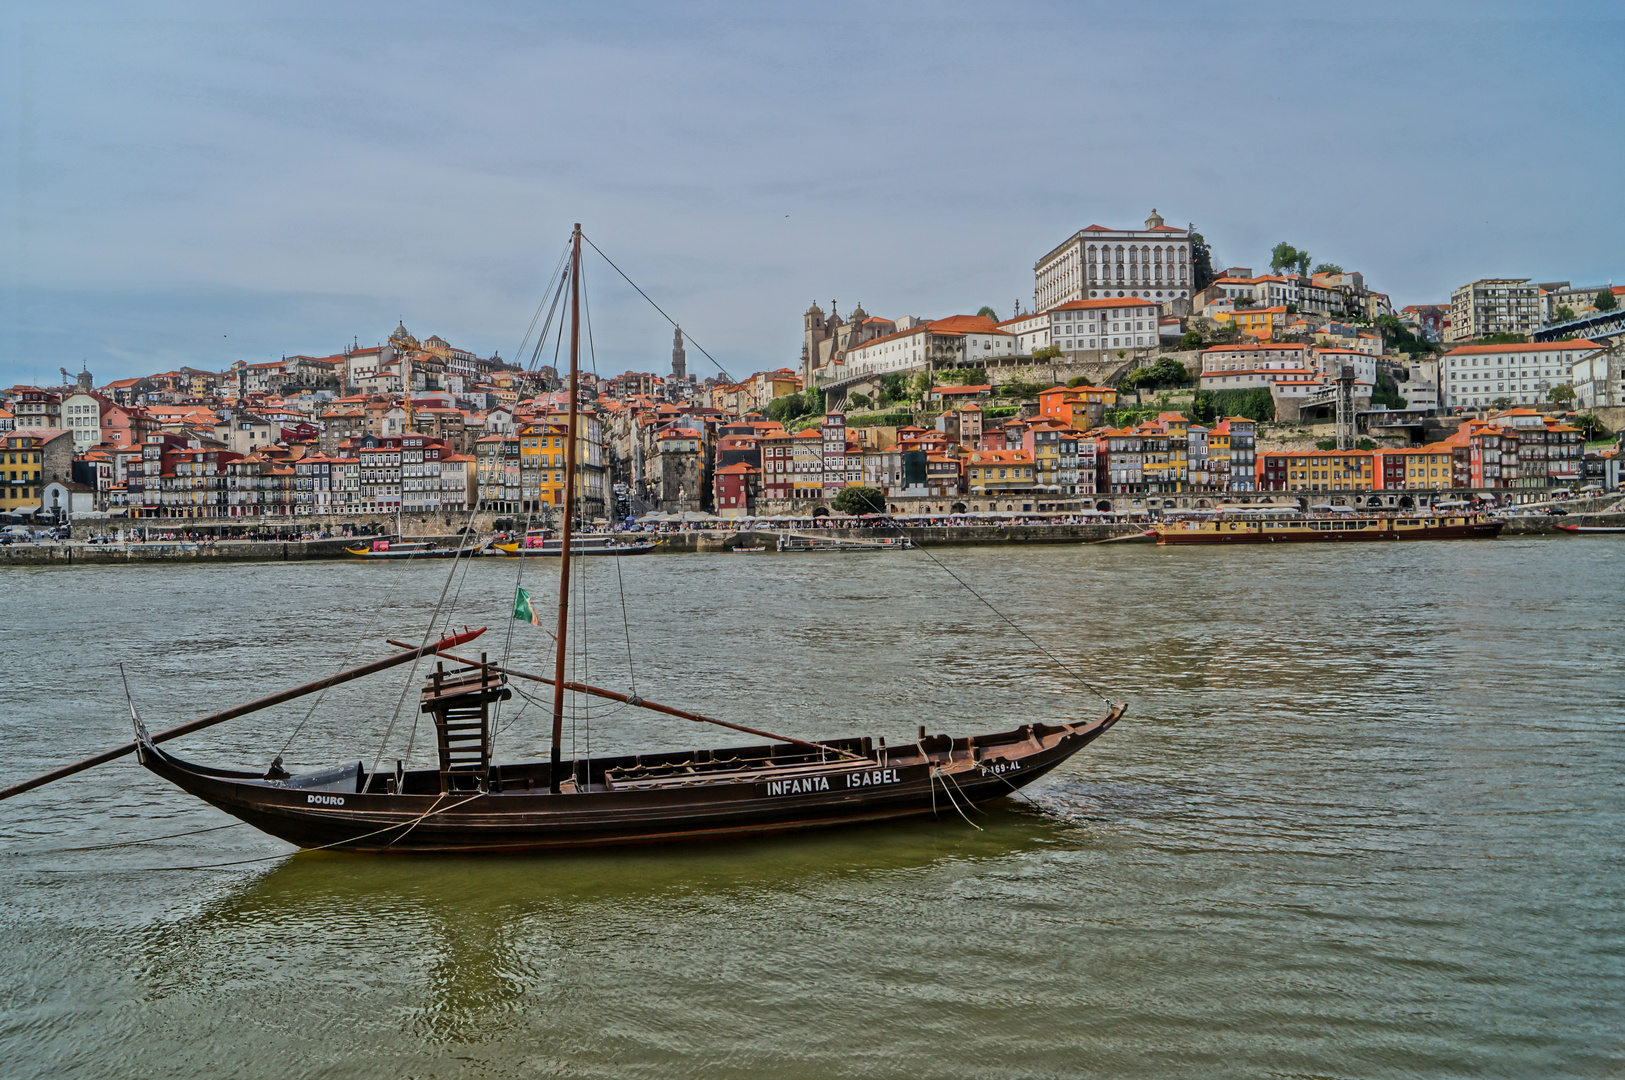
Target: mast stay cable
<point x="656" y="306"/>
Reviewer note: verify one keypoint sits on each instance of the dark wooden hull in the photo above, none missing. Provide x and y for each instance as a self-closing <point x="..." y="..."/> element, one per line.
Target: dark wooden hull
<point x="1335" y="532"/>
<point x="779" y="789"/>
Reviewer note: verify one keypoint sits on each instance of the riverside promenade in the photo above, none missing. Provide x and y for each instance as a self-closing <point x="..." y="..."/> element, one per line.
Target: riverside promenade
<point x="691" y="541"/>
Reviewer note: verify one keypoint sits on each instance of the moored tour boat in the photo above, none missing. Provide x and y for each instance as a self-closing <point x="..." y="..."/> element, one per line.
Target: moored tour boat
<point x="1339" y="529"/>
<point x="538" y="542"/>
<point x="395" y="549"/>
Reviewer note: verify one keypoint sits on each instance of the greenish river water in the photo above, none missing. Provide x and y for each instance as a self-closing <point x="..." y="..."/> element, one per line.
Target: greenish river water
<point x="1364" y="818"/>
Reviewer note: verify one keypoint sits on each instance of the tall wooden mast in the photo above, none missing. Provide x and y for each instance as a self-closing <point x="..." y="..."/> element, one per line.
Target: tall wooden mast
<point x="569" y="507"/>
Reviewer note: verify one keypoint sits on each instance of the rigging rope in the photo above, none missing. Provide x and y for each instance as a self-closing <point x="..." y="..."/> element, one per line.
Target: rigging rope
<point x="130" y="843"/>
<point x="428" y="636"/>
<point x="921" y="548"/>
<point x="656" y="306"/>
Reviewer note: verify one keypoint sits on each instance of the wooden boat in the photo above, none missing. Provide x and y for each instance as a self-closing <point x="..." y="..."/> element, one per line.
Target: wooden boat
<point x="539" y="543"/>
<point x="395" y="549"/>
<point x="641" y="799"/>
<point x="1344" y="528"/>
<point x="1579" y="529"/>
<point x="470" y="803"/>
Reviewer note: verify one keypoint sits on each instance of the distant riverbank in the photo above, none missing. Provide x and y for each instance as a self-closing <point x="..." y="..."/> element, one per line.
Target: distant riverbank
<point x="80" y="553"/>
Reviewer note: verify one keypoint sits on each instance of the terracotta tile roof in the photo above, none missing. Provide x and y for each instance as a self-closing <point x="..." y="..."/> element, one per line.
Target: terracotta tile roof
<point x="1536" y="346"/>
<point x="1104" y="302"/>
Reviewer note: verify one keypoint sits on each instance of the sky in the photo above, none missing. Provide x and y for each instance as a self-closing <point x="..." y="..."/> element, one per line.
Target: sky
<point x="204" y="183"/>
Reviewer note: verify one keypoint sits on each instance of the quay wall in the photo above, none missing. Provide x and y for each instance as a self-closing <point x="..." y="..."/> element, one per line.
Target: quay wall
<point x="75" y="553"/>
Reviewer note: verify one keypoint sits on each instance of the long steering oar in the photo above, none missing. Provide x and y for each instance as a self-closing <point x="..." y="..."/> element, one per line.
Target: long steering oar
<point x="241" y="710"/>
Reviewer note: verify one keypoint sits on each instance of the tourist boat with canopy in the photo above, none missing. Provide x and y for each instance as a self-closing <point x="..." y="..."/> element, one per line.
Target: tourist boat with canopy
<point x="1336" y="525"/>
<point x="543" y="542"/>
<point x="396" y="549"/>
<point x="469" y="802"/>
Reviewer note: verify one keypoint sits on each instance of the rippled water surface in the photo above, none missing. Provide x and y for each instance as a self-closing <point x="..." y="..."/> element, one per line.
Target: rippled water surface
<point x="1363" y="819"/>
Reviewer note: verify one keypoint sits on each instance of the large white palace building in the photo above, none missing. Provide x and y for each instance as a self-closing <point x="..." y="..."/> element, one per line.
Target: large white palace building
<point x="1153" y="263"/>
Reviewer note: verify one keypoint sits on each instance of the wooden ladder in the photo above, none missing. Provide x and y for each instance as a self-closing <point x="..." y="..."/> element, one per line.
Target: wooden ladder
<point x="461" y="705"/>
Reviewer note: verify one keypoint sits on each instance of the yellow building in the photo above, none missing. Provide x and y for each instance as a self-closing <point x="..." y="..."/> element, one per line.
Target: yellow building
<point x="541" y="465"/>
<point x="993" y="471"/>
<point x="1261" y="323"/>
<point x="1323" y="470"/>
<point x="30" y="459"/>
<point x="1422" y="467"/>
<point x="1165" y="442"/>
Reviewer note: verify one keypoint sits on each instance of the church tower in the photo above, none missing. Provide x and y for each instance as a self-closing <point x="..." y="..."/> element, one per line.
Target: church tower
<point x="679" y="358"/>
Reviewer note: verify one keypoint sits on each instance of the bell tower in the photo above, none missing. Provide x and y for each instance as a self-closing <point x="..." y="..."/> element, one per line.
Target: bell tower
<point x="679" y="358"/>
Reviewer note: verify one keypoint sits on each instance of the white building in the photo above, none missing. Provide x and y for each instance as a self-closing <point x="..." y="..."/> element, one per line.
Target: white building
<point x="1285" y="369"/>
<point x="1088" y="326"/>
<point x="957" y="341"/>
<point x="1598" y="378"/>
<point x="1478" y="375"/>
<point x="1420" y="386"/>
<point x="1153" y="263"/>
<point x="82" y="414"/>
<point x="1494" y="306"/>
<point x="1330" y="362"/>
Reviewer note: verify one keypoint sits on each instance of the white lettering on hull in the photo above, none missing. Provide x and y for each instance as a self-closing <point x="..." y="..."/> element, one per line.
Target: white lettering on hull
<point x="799" y="786"/>
<point x="324" y="800"/>
<point x="870" y="779"/>
<point x="811" y="784"/>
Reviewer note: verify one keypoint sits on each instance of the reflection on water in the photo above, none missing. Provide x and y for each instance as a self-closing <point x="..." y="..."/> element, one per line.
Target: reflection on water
<point x="483" y="936"/>
<point x="1361" y="820"/>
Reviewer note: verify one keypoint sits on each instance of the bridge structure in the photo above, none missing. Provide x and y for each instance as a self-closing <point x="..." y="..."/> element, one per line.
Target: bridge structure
<point x="1602" y="327"/>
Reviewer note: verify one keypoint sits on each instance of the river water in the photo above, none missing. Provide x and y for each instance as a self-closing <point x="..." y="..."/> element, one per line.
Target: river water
<point x="1363" y="819"/>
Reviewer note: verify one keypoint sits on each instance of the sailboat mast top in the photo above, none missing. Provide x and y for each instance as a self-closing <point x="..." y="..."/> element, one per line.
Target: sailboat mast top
<point x="569" y="508"/>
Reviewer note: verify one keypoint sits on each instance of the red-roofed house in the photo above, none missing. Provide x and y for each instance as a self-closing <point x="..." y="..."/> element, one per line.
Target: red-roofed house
<point x="1482" y="375"/>
<point x="736" y="487"/>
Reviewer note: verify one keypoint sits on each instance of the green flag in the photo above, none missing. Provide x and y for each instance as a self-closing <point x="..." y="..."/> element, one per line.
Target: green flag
<point x="523" y="610"/>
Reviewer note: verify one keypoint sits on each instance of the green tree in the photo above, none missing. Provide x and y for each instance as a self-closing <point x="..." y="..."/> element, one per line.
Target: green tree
<point x="922" y="382"/>
<point x="1365" y="444"/>
<point x="1201" y="261"/>
<point x="788" y="408"/>
<point x="1501" y="403"/>
<point x="1561" y="394"/>
<point x="1253" y="404"/>
<point x="860" y="500"/>
<point x="1564" y="313"/>
<point x="1245" y="302"/>
<point x="891" y="388"/>
<point x="1292" y="309"/>
<point x="1166" y="374"/>
<point x="1605" y="301"/>
<point x="1018" y="389"/>
<point x="1386" y="393"/>
<point x="1203" y="410"/>
<point x="861" y="401"/>
<point x="1286" y="257"/>
<point x="1048" y="352"/>
<point x="988" y="312"/>
<point x="1591" y="429"/>
<point x="1328" y="268"/>
<point x="1191" y="339"/>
